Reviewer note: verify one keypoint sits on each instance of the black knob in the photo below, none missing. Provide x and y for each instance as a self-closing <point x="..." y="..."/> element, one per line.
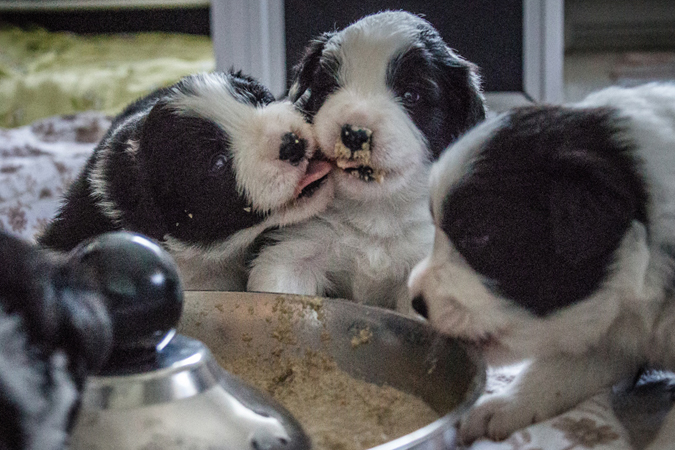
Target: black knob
<point x="141" y="287"/>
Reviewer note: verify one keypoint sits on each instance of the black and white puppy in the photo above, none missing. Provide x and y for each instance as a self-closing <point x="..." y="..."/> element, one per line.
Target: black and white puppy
<point x="555" y="241"/>
<point x="203" y="167"/>
<point x="385" y="96"/>
<point x="54" y="329"/>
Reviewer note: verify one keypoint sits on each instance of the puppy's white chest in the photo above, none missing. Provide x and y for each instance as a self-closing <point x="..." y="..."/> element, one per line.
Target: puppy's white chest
<point x="364" y="254"/>
<point x="374" y="270"/>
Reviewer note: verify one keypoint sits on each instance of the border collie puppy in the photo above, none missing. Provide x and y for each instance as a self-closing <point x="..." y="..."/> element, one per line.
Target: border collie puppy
<point x="203" y="166"/>
<point x="385" y="96"/>
<point x="555" y="242"/>
<point x="54" y="329"/>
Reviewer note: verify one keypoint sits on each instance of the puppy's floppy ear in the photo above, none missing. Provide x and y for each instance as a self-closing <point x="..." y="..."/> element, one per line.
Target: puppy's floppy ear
<point x="133" y="188"/>
<point x="474" y="102"/>
<point x="304" y="71"/>
<point x="463" y="80"/>
<point x="592" y="204"/>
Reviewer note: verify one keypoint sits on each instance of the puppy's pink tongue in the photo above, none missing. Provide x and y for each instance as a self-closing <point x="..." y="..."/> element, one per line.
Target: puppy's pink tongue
<point x="316" y="170"/>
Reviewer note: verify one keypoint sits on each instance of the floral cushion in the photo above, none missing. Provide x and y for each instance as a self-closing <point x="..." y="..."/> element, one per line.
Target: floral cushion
<point x="38" y="162"/>
<point x="593" y="424"/>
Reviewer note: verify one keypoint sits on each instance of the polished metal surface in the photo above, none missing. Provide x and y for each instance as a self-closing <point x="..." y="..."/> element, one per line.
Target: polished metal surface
<point x="181" y="399"/>
<point x="401" y="351"/>
<point x="183" y="369"/>
<point x="157" y="389"/>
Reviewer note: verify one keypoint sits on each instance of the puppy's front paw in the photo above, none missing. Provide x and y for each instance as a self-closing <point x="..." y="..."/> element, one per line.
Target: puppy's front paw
<point x="497" y="416"/>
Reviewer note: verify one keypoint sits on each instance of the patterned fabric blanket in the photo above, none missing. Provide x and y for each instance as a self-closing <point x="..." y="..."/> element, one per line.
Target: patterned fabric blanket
<point x="38" y="162"/>
<point x="622" y="418"/>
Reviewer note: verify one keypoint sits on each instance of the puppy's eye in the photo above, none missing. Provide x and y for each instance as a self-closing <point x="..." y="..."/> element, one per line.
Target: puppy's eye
<point x="218" y="164"/>
<point x="410" y="97"/>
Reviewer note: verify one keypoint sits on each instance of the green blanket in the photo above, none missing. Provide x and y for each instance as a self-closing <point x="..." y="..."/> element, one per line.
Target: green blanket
<point x="44" y="74"/>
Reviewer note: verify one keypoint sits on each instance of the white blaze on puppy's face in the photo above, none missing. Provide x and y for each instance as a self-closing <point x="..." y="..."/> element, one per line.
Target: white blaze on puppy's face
<point x="256" y="135"/>
<point x="366" y="48"/>
<point x="364" y="100"/>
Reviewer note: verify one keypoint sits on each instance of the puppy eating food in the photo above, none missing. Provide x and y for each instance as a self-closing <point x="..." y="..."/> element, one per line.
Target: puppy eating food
<point x="554" y="241"/>
<point x="385" y="96"/>
<point x="203" y="166"/>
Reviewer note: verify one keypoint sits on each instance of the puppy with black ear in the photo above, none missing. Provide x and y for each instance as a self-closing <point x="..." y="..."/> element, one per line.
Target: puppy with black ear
<point x="203" y="167"/>
<point x="385" y="96"/>
<point x="555" y="241"/>
<point x="54" y="330"/>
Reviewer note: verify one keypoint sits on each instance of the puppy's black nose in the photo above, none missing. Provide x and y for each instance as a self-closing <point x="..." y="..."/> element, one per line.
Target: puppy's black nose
<point x="292" y="148"/>
<point x="420" y="305"/>
<point x="355" y="138"/>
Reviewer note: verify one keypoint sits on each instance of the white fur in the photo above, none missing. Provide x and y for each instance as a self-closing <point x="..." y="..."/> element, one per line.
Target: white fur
<point x="98" y="177"/>
<point x="365" y="50"/>
<point x="356" y="250"/>
<point x="586" y="347"/>
<point x="365" y="244"/>
<point x="44" y="412"/>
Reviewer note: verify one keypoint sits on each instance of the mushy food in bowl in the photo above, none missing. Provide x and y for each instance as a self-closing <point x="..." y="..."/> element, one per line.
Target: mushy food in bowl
<point x="356" y="377"/>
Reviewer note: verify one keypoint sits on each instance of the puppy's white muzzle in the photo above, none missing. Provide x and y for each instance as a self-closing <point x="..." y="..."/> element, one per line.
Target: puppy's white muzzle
<point x="387" y="142"/>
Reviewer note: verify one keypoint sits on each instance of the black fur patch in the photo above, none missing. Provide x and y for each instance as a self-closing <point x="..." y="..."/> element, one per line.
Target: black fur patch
<point x="436" y="90"/>
<point x="545" y="204"/>
<point x="12" y="436"/>
<point x="179" y="181"/>
<point x="315" y="77"/>
<point x="193" y="182"/>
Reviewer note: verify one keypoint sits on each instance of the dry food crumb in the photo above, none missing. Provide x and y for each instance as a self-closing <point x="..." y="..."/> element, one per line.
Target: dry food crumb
<point x="362" y="337"/>
<point x="346" y="159"/>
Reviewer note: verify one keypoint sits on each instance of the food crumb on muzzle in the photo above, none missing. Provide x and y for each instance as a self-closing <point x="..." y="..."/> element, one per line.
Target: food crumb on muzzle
<point x="358" y="162"/>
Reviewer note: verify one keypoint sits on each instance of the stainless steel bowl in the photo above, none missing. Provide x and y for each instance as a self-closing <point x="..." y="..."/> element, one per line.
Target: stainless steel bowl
<point x="401" y="351"/>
